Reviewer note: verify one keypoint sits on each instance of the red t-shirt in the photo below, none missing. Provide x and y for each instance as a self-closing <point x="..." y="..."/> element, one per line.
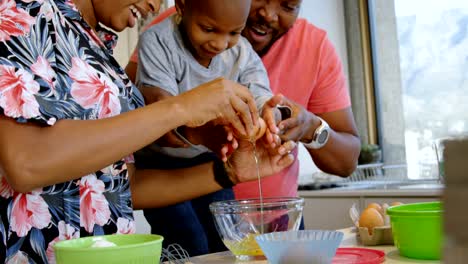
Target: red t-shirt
<point x="303" y="66"/>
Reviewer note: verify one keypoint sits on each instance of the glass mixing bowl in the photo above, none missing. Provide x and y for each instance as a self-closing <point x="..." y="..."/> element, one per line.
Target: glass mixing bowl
<point x="239" y="221"/>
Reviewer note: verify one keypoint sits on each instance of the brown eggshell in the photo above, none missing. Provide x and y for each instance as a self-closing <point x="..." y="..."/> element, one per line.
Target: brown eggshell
<point x="371" y="218"/>
<point x="259" y="129"/>
<point x="376" y="206"/>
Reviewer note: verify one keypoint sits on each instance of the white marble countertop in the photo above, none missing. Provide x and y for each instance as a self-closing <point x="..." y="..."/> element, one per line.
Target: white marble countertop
<point x="349" y="240"/>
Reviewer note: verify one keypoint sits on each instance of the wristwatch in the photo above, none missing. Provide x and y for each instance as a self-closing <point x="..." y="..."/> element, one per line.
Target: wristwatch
<point x="320" y="137"/>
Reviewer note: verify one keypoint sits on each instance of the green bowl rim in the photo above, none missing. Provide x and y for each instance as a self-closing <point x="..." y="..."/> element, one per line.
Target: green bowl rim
<point x="59" y="246"/>
<point x="399" y="210"/>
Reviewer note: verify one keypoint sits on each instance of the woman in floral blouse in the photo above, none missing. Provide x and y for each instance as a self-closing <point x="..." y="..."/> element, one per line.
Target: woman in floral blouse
<point x="69" y="123"/>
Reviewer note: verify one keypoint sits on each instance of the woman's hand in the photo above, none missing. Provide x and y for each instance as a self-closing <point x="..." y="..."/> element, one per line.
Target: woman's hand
<point x="223" y="101"/>
<point x="155" y="94"/>
<point x="242" y="166"/>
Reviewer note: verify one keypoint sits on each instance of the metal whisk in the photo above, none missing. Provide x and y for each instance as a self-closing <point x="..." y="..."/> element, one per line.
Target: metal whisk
<point x="174" y="254"/>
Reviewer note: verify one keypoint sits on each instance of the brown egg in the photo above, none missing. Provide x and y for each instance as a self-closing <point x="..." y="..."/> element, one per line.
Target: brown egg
<point x="377" y="207"/>
<point x="262" y="127"/>
<point x="259" y="130"/>
<point x="371" y="218"/>
<point x="385" y="215"/>
<point x="396" y="203"/>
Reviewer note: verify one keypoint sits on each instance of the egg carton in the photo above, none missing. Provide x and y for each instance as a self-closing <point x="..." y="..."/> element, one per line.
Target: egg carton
<point x="381" y="235"/>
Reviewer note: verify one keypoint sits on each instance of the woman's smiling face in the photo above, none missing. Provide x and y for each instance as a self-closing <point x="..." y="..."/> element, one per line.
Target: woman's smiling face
<point x="116" y="14"/>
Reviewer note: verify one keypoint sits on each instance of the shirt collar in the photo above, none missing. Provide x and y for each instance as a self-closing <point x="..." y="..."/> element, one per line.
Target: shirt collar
<point x="69" y="10"/>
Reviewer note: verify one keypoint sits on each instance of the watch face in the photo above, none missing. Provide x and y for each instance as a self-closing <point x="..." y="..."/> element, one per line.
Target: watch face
<point x="322" y="138"/>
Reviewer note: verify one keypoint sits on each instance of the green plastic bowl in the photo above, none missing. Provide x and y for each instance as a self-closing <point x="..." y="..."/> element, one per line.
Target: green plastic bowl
<point x="417" y="229"/>
<point x="134" y="248"/>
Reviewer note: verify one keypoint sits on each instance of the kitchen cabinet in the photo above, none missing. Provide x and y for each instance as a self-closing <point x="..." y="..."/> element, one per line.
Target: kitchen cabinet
<point x="328" y="213"/>
<point x="329" y="209"/>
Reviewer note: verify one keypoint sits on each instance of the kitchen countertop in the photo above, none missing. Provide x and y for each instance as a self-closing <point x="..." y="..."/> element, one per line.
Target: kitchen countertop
<point x="349" y="240"/>
<point x="380" y="190"/>
<point x="372" y="193"/>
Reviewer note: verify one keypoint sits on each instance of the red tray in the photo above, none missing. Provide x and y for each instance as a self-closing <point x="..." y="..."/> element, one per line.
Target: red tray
<point x="358" y="256"/>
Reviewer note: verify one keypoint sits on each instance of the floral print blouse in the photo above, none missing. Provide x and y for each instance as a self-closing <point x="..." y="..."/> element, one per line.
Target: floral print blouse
<point x="54" y="66"/>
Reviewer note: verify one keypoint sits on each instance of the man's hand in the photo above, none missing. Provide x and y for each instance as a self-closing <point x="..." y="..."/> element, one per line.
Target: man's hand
<point x="242" y="166"/>
<point x="300" y="125"/>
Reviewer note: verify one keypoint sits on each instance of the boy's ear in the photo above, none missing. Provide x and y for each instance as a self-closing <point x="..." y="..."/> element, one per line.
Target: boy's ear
<point x="180" y="7"/>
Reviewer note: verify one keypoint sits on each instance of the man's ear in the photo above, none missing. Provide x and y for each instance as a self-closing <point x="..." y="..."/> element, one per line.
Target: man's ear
<point x="180" y="7"/>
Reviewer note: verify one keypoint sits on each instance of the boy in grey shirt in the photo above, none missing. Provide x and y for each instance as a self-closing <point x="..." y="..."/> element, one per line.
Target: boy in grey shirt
<point x="176" y="56"/>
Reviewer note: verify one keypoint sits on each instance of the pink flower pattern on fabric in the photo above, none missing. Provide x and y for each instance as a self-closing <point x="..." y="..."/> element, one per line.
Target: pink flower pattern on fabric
<point x="42" y="68"/>
<point x="28" y="211"/>
<point x="19" y="258"/>
<point x="94" y="208"/>
<point x="17" y="90"/>
<point x="91" y="90"/>
<point x="13" y="21"/>
<point x="29" y="1"/>
<point x="125" y="226"/>
<point x="66" y="232"/>
<point x="5" y="190"/>
<point x="54" y="67"/>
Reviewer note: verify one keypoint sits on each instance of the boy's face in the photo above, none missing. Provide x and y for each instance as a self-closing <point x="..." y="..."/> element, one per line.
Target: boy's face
<point x="212" y="26"/>
<point x="268" y="21"/>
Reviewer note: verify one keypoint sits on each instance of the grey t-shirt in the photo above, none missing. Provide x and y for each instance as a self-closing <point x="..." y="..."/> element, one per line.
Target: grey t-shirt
<point x="165" y="62"/>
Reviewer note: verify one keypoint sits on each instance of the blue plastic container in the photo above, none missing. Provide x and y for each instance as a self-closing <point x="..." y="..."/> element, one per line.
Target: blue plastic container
<point x="300" y="247"/>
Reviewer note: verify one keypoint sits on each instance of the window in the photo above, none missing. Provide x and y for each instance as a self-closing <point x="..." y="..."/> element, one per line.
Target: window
<point x="420" y="60"/>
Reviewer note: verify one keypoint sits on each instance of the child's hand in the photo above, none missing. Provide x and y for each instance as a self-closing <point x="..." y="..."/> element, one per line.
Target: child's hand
<point x="218" y="138"/>
<point x="272" y="117"/>
<point x="228" y="148"/>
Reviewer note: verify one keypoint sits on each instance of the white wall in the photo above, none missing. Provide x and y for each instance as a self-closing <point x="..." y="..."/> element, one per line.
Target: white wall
<point x="128" y="40"/>
<point x="329" y="15"/>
